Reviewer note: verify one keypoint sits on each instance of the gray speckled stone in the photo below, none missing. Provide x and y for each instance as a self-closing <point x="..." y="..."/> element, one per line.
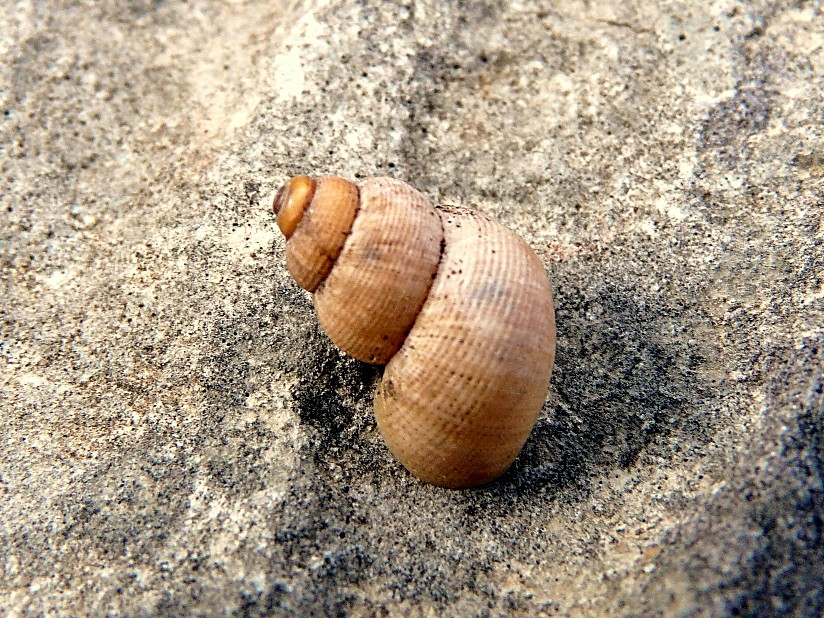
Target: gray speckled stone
<point x="179" y="438"/>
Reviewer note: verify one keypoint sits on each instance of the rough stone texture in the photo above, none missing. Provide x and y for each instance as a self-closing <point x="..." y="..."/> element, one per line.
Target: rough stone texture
<point x="178" y="436"/>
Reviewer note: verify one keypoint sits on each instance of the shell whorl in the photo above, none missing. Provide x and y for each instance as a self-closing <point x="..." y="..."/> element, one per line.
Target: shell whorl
<point x="457" y="305"/>
<point x="459" y="399"/>
<point x="383" y="274"/>
<point x="318" y="214"/>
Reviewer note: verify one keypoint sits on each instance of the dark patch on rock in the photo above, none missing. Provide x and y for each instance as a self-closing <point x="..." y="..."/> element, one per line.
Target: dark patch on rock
<point x="757" y="547"/>
<point x="333" y="398"/>
<point x="733" y="122"/>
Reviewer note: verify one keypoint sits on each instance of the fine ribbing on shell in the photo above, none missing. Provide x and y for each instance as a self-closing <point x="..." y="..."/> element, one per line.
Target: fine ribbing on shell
<point x="320" y="236"/>
<point x="458" y="400"/>
<point x="384" y="273"/>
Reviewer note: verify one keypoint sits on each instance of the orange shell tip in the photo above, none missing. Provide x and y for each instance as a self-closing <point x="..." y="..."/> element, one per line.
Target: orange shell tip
<point x="291" y="202"/>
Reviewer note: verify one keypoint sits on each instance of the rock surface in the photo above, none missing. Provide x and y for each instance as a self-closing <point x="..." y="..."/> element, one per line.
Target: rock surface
<point x="179" y="438"/>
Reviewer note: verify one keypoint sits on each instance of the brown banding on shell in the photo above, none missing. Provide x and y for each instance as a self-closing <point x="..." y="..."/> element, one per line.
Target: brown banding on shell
<point x="383" y="275"/>
<point x="291" y="202"/>
<point x="321" y="232"/>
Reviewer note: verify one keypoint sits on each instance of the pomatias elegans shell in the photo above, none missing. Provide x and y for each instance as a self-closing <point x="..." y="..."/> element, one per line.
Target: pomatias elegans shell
<point x="457" y="306"/>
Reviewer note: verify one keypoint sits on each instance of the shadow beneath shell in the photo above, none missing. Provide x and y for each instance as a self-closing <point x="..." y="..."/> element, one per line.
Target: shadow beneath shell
<point x="334" y="400"/>
<point x="624" y="387"/>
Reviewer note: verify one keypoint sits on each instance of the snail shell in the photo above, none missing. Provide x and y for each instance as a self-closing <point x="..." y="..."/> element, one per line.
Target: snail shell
<point x="457" y="305"/>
